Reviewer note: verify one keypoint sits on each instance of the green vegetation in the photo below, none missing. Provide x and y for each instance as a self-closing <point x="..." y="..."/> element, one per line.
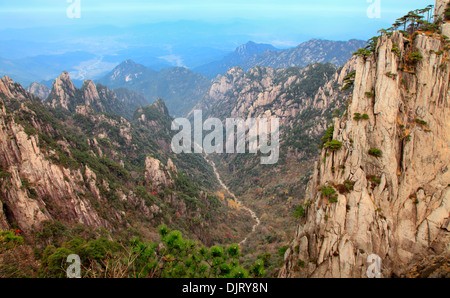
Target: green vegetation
<point x="369" y="49"/>
<point x="173" y="257"/>
<point x="329" y="193"/>
<point x="414" y="58"/>
<point x="9" y="240"/>
<point x="375" y="152"/>
<point x="391" y="75"/>
<point x="421" y="122"/>
<point x="346" y="187"/>
<point x="315" y="77"/>
<point x="363" y="53"/>
<point x="333" y="145"/>
<point x="299" y="212"/>
<point x="376" y="180"/>
<point x="349" y="81"/>
<point x="358" y="117"/>
<point x="328" y="135"/>
<point x="282" y="251"/>
<point x="447" y="13"/>
<point x="4" y="174"/>
<point x="301" y="263"/>
<point x="396" y="50"/>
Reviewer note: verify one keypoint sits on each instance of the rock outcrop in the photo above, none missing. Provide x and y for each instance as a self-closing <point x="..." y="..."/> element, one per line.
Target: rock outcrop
<point x="35" y="184"/>
<point x="158" y="174"/>
<point x="282" y="93"/>
<point x="440" y="7"/>
<point x="10" y="89"/>
<point x="32" y="185"/>
<point x="87" y="168"/>
<point x="100" y="98"/>
<point x="63" y="92"/>
<point x="391" y="177"/>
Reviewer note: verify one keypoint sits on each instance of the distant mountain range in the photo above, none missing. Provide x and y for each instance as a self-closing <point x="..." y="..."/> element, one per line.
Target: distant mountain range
<point x="209" y="61"/>
<point x="239" y="57"/>
<point x="314" y="51"/>
<point x="180" y="88"/>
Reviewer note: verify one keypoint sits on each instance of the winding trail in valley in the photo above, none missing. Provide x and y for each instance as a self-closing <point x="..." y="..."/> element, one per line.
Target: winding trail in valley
<point x="253" y="214"/>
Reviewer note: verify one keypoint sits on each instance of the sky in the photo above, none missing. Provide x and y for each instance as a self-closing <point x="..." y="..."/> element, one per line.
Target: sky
<point x="44" y="13"/>
<point x="181" y="31"/>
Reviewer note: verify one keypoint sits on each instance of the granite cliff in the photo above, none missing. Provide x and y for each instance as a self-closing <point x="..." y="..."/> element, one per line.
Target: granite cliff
<point x="384" y="189"/>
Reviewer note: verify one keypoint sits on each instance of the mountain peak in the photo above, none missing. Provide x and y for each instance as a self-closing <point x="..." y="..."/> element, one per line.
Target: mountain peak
<point x="161" y="106"/>
<point x="252" y="48"/>
<point x="127" y="71"/>
<point x="65" y="76"/>
<point x="313" y="51"/>
<point x="11" y="89"/>
<point x="128" y="63"/>
<point x="4" y="86"/>
<point x="90" y="93"/>
<point x="62" y="91"/>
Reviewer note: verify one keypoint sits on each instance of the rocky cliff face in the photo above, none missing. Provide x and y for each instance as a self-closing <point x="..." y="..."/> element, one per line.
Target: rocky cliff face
<point x="440" y="6"/>
<point x="100" y="98"/>
<point x="62" y="92"/>
<point x="282" y="93"/>
<point x="302" y="99"/>
<point x="386" y="191"/>
<point x="32" y="184"/>
<point x="81" y="166"/>
<point x="10" y="89"/>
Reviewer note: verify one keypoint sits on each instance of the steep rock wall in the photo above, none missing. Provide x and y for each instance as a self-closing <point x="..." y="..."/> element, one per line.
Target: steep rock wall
<point x="397" y="205"/>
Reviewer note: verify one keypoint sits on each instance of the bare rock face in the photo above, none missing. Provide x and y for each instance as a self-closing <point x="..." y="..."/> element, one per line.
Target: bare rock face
<point x="440" y="7"/>
<point x="62" y="92"/>
<point x="90" y="93"/>
<point x="39" y="90"/>
<point x="10" y="89"/>
<point x="158" y="174"/>
<point x="395" y="204"/>
<point x="262" y="91"/>
<point x="4" y="225"/>
<point x="33" y="187"/>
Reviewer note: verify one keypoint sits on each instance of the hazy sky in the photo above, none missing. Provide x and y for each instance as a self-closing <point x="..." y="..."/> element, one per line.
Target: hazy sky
<point x="31" y="13"/>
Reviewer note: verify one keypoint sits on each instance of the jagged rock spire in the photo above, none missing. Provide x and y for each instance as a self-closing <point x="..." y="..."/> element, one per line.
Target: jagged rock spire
<point x="62" y="92"/>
